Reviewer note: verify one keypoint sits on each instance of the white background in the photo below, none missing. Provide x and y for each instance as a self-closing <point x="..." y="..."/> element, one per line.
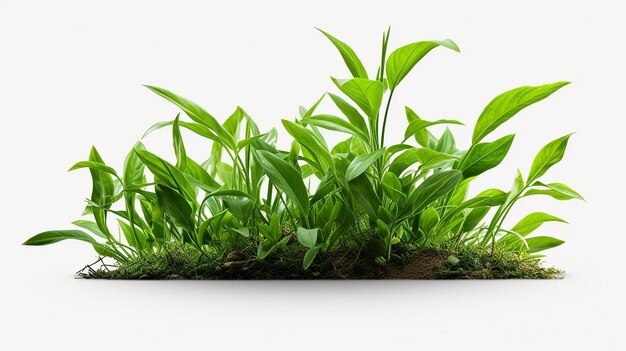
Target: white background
<point x="71" y="75"/>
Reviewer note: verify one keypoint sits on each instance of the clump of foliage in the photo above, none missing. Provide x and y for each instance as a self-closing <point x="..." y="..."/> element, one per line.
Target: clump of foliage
<point x="371" y="197"/>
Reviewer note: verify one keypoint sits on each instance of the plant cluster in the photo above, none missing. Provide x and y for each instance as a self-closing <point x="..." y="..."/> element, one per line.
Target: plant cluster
<point x="368" y="193"/>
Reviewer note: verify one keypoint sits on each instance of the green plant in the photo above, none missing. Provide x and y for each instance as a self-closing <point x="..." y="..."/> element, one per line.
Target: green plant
<point x="369" y="195"/>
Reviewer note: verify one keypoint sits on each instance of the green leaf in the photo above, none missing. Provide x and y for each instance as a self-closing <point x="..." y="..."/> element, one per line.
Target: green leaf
<point x="558" y="191"/>
<point x="176" y="206"/>
<point x="90" y="226"/>
<point x="166" y="173"/>
<point x="547" y="157"/>
<point x="133" y="167"/>
<point x="309" y="256"/>
<point x="392" y="187"/>
<point x="286" y="178"/>
<point x="95" y="166"/>
<point x="485" y="156"/>
<point x="361" y="163"/>
<point x="179" y="146"/>
<point x="433" y="188"/>
<point x="540" y="243"/>
<point x="337" y="124"/>
<point x="196" y="113"/>
<point x="533" y="221"/>
<point x="353" y="115"/>
<point x="402" y="60"/>
<point x="428" y="159"/>
<point x="307" y="237"/>
<point x="349" y="57"/>
<point x="418" y="125"/>
<point x="367" y="94"/>
<point x="53" y="236"/>
<point x="307" y="139"/>
<point x="507" y="104"/>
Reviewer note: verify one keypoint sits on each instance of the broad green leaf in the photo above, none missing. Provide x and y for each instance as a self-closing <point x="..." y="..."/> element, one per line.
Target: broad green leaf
<point x="367" y="94"/>
<point x="307" y="237"/>
<point x="349" y="56"/>
<point x="428" y="220"/>
<point x="547" y="157"/>
<point x="350" y="112"/>
<point x="337" y="124"/>
<point x="363" y="192"/>
<point x="540" y="243"/>
<point x="446" y="144"/>
<point x="485" y="156"/>
<point x="196" y="113"/>
<point x="392" y="187"/>
<point x="433" y="188"/>
<point x="558" y="191"/>
<point x="307" y="139"/>
<point x="361" y="163"/>
<point x="418" y="125"/>
<point x="474" y="217"/>
<point x="507" y="104"/>
<point x="53" y="236"/>
<point x="428" y="159"/>
<point x="286" y="178"/>
<point x="533" y="221"/>
<point x="460" y="193"/>
<point x="309" y="256"/>
<point x="176" y="206"/>
<point x="402" y="60"/>
<point x="179" y="146"/>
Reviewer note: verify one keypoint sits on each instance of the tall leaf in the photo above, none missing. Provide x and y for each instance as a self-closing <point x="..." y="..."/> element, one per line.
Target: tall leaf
<point x="349" y="56"/>
<point x="361" y="163"/>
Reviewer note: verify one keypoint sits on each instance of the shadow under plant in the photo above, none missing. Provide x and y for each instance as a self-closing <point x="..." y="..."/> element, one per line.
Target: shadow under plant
<point x="377" y="209"/>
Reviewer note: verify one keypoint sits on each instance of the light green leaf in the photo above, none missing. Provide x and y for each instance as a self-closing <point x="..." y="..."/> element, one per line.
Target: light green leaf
<point x="418" y="125"/>
<point x="547" y="157"/>
<point x="428" y="159"/>
<point x="540" y="243"/>
<point x="485" y="156"/>
<point x="179" y="146"/>
<point x="402" y="60"/>
<point x="309" y="256"/>
<point x="90" y="226"/>
<point x="349" y="57"/>
<point x="558" y="191"/>
<point x="353" y="115"/>
<point x="367" y="94"/>
<point x="533" y="221"/>
<point x="196" y="113"/>
<point x="308" y="139"/>
<point x="307" y="237"/>
<point x="337" y="124"/>
<point x="507" y="104"/>
<point x="361" y="163"/>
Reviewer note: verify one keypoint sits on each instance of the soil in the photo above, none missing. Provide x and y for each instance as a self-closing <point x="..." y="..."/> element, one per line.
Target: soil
<point x="423" y="264"/>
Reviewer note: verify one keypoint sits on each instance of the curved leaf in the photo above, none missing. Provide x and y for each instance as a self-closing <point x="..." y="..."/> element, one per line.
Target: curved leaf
<point x="402" y="60"/>
<point x="349" y="56"/>
<point x="433" y="188"/>
<point x="558" y="191"/>
<point x="485" y="156"/>
<point x="547" y="157"/>
<point x="506" y="105"/>
<point x="53" y="236"/>
<point x="286" y="178"/>
<point x="361" y="163"/>
<point x="350" y="112"/>
<point x="337" y="124"/>
<point x="367" y="94"/>
<point x="533" y="221"/>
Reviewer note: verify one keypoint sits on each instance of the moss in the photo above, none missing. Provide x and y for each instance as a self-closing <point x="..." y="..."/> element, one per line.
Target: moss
<point x="185" y="262"/>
